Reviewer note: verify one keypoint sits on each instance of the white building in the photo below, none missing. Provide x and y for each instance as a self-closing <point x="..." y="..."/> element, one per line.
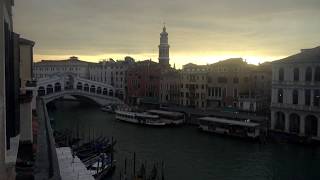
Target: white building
<point x="295" y="107"/>
<point x="47" y="68"/>
<point x="113" y="73"/>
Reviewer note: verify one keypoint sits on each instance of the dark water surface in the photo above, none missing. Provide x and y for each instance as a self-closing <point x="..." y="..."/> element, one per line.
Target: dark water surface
<point x="189" y="154"/>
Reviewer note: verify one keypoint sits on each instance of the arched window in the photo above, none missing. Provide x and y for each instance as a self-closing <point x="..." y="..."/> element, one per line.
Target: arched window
<point x="99" y="91"/>
<point x="280" y="96"/>
<point x="86" y="87"/>
<point x="296" y="74"/>
<point x="41" y="91"/>
<point x="57" y="87"/>
<point x="311" y="125"/>
<point x="111" y="92"/>
<point x="280" y="121"/>
<point x="105" y="91"/>
<point x="49" y="89"/>
<point x="79" y="86"/>
<point x="307" y="97"/>
<point x="281" y="74"/>
<point x="309" y="74"/>
<point x="316" y="97"/>
<point x="294" y="125"/>
<point x="92" y="89"/>
<point x="317" y="74"/>
<point x="295" y="97"/>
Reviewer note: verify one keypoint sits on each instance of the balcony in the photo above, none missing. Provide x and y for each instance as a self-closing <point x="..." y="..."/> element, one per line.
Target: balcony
<point x="295" y="83"/>
<point x="296" y="107"/>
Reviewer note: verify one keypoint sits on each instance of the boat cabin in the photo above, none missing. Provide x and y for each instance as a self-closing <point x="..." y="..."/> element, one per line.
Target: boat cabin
<point x="169" y="117"/>
<point x="230" y="127"/>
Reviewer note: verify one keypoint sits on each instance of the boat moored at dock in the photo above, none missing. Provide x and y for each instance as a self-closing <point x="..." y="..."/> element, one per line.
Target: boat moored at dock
<point x="139" y="118"/>
<point x="169" y="117"/>
<point x="245" y="129"/>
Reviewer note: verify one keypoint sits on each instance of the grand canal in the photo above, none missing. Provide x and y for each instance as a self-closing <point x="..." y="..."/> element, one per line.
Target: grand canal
<point x="189" y="154"/>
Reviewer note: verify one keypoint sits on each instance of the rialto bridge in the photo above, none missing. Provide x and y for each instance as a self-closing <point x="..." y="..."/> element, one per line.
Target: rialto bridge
<point x="61" y="85"/>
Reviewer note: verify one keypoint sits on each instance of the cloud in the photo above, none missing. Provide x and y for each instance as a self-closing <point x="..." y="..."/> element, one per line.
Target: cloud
<point x="95" y="27"/>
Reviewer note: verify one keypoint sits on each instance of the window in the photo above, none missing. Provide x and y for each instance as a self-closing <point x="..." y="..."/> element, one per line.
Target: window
<point x="246" y="79"/>
<point x="280" y="96"/>
<point x="235" y="92"/>
<point x="316" y="98"/>
<point x="317" y="74"/>
<point x="295" y="97"/>
<point x="222" y="80"/>
<point x="309" y="74"/>
<point x="296" y="74"/>
<point x="235" y="80"/>
<point x="307" y="97"/>
<point x="224" y="92"/>
<point x="281" y="74"/>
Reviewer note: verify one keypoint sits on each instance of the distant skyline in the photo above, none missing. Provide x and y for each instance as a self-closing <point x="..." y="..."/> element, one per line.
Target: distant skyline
<point x="200" y="32"/>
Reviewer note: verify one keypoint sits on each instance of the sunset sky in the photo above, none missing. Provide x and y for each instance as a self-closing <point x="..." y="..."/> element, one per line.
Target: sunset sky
<point x="200" y="31"/>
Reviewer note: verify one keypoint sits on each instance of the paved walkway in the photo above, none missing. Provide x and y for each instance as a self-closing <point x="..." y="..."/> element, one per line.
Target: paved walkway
<point x="72" y="169"/>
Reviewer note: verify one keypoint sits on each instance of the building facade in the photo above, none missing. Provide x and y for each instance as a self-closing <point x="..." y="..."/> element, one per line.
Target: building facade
<point x="170" y="81"/>
<point x="295" y="107"/>
<point x="193" y="87"/>
<point x="113" y="73"/>
<point x="143" y="82"/>
<point x="48" y="68"/>
<point x="231" y="85"/>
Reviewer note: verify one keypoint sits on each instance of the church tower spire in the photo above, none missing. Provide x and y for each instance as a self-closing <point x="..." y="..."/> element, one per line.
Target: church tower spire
<point x="164" y="48"/>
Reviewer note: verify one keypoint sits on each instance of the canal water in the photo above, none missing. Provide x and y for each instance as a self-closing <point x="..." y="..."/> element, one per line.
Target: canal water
<point x="187" y="153"/>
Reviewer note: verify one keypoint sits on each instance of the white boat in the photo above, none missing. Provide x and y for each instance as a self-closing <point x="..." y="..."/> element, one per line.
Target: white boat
<point x="169" y="117"/>
<point x="139" y="118"/>
<point x="107" y="109"/>
<point x="230" y="127"/>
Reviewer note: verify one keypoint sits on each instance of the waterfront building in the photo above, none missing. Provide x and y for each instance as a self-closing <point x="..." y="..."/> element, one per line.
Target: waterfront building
<point x="144" y="82"/>
<point x="48" y="68"/>
<point x="236" y="85"/>
<point x="295" y="107"/>
<point x="229" y="85"/>
<point x="164" y="48"/>
<point x="170" y="81"/>
<point x="113" y="73"/>
<point x="260" y="98"/>
<point x="227" y="80"/>
<point x="193" y="87"/>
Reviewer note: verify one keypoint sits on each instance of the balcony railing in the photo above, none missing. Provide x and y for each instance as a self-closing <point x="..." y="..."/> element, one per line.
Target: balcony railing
<point x="296" y="107"/>
<point x="46" y="164"/>
<point x="296" y="83"/>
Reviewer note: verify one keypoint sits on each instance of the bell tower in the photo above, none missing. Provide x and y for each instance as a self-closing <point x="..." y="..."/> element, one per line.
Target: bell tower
<point x="164" y="48"/>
